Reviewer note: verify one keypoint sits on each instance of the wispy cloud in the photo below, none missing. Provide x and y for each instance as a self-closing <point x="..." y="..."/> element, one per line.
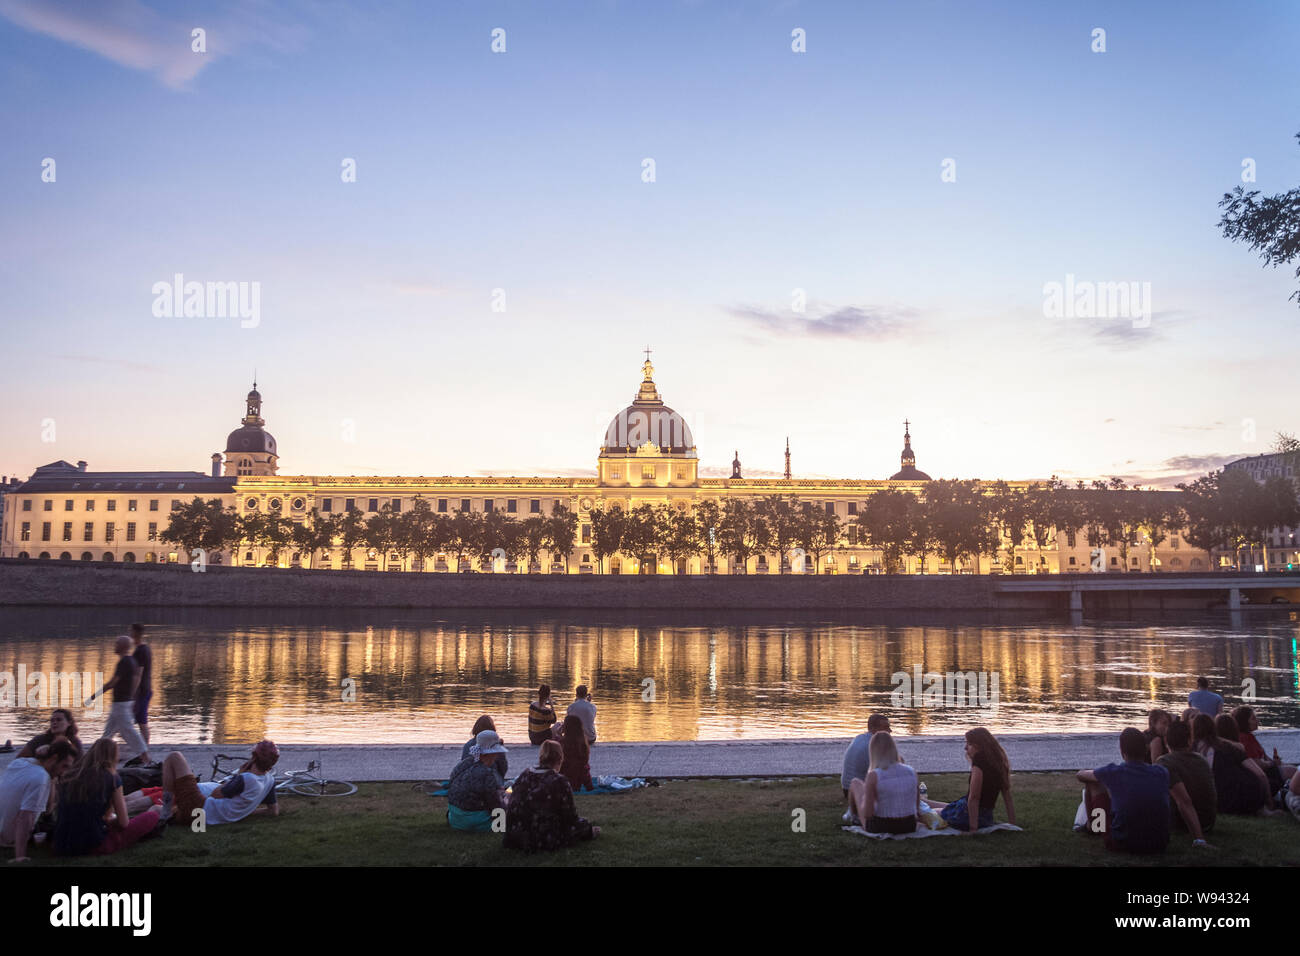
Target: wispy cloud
<point x="114" y="362"/>
<point x="136" y="36"/>
<point x="846" y="322"/>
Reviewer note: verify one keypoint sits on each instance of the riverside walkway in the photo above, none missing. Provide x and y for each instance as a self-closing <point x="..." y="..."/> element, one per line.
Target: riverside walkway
<point x="739" y="758"/>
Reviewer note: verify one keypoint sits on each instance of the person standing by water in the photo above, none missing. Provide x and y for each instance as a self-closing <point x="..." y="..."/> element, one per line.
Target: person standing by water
<point x="541" y="717"/>
<point x="143" y="693"/>
<point x="584" y="710"/>
<point x="1204" y="699"/>
<point x="121" y="715"/>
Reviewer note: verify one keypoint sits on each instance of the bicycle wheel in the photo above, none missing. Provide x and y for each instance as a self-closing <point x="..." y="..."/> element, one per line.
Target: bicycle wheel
<point x="323" y="788"/>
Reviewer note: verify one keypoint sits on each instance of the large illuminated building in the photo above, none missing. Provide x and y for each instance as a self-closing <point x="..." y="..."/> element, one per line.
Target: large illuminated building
<point x="648" y="456"/>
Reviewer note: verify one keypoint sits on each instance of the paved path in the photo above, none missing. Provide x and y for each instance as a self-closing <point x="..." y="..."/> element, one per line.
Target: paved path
<point x="767" y="758"/>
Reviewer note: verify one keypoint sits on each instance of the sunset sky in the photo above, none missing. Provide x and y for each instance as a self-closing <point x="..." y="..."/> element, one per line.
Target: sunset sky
<point x="378" y="351"/>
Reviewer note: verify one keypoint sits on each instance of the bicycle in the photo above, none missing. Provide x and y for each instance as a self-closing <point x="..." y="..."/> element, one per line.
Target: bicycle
<point x="307" y="783"/>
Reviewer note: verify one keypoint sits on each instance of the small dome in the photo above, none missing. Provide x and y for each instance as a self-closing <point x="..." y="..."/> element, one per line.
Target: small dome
<point x="910" y="473"/>
<point x="250" y="438"/>
<point x="254" y="395"/>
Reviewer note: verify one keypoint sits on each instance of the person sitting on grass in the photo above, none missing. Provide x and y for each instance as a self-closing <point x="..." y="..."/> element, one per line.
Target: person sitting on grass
<point x="542" y="815"/>
<point x="62" y="725"/>
<point x="990" y="775"/>
<point x="476" y="789"/>
<point x="480" y="725"/>
<point x="1247" y="723"/>
<point x="249" y="790"/>
<point x="1157" y="726"/>
<point x="887" y="800"/>
<point x="25" y="793"/>
<point x="576" y="767"/>
<point x="85" y="798"/>
<point x="1240" y="785"/>
<point x="1191" y="784"/>
<point x="541" y="717"/>
<point x="1131" y="799"/>
<point x="857" y="759"/>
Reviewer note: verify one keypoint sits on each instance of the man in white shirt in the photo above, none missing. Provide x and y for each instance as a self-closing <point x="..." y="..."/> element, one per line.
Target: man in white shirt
<point x="25" y="793"/>
<point x="585" y="711"/>
<point x="230" y="801"/>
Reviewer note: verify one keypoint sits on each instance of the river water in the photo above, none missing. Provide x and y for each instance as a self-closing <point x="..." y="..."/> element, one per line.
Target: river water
<point x="418" y="676"/>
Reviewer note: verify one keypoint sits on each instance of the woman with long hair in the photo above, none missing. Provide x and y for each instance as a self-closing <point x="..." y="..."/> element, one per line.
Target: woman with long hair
<point x="887" y="800"/>
<point x="576" y="766"/>
<point x="1240" y="785"/>
<point x="86" y="796"/>
<point x="1157" y="726"/>
<point x="1277" y="772"/>
<point x="990" y="775"/>
<point x="62" y="724"/>
<point x="501" y="764"/>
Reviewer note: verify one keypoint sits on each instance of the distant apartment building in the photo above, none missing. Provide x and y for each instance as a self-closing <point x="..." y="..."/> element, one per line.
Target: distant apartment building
<point x="1281" y="546"/>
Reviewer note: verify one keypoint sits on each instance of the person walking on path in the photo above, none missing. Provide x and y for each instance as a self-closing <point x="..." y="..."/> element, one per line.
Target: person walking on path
<point x="121" y="715"/>
<point x="143" y="693"/>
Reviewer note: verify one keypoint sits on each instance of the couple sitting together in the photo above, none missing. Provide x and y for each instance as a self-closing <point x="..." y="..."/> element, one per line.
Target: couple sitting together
<point x="888" y="798"/>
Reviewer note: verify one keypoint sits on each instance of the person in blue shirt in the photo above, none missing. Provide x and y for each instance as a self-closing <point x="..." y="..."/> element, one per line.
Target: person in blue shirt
<point x="1128" y="802"/>
<point x="1204" y="699"/>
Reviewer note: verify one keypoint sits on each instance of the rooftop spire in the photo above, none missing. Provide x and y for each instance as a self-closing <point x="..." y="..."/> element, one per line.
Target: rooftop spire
<point x="787" y="457"/>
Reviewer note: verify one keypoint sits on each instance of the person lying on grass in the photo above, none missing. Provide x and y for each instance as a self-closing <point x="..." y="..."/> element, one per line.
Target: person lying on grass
<point x="990" y="775"/>
<point x="87" y="796"/>
<point x="475" y="788"/>
<point x="888" y="799"/>
<point x="250" y="790"/>
<point x="1128" y="802"/>
<point x="542" y="815"/>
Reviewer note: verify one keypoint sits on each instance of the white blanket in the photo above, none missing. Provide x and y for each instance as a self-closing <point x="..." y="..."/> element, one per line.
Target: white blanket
<point x="924" y="831"/>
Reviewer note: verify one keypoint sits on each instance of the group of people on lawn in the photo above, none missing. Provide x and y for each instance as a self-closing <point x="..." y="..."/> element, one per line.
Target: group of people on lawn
<point x="1178" y="774"/>
<point x="537" y="812"/>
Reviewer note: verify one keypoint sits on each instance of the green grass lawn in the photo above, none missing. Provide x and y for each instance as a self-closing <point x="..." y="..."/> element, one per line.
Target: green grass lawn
<point x="708" y="822"/>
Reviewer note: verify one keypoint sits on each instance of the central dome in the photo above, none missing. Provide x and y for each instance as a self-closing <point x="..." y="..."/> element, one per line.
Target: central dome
<point x="648" y="421"/>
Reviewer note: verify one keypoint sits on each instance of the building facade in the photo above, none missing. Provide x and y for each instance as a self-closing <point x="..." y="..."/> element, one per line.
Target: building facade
<point x="1281" y="546"/>
<point x="647" y="457"/>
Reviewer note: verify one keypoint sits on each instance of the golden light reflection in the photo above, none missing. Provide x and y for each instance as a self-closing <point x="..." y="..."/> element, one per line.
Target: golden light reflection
<point x="427" y="682"/>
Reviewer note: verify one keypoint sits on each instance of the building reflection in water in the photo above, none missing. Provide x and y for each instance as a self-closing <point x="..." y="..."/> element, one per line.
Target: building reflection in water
<point x="417" y="681"/>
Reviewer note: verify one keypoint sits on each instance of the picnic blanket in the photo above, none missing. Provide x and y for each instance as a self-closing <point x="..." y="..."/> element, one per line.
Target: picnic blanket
<point x="608" y="784"/>
<point x="612" y="784"/>
<point x="922" y="832"/>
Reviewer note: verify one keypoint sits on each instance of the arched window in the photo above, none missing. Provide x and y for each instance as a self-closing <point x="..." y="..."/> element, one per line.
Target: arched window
<point x="23" y="555"/>
<point x="87" y="556"/>
<point x="1197" y="564"/>
<point x="43" y="556"/>
<point x="108" y="557"/>
<point x="65" y="556"/>
<point x="128" y="558"/>
<point x="245" y="466"/>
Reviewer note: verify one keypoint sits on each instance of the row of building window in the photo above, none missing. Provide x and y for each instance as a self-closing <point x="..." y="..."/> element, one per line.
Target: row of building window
<point x="69" y="504"/>
<point x="87" y="531"/>
<point x="442" y="505"/>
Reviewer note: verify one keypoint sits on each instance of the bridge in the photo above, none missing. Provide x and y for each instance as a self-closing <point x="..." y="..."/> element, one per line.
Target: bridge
<point x="1269" y="587"/>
